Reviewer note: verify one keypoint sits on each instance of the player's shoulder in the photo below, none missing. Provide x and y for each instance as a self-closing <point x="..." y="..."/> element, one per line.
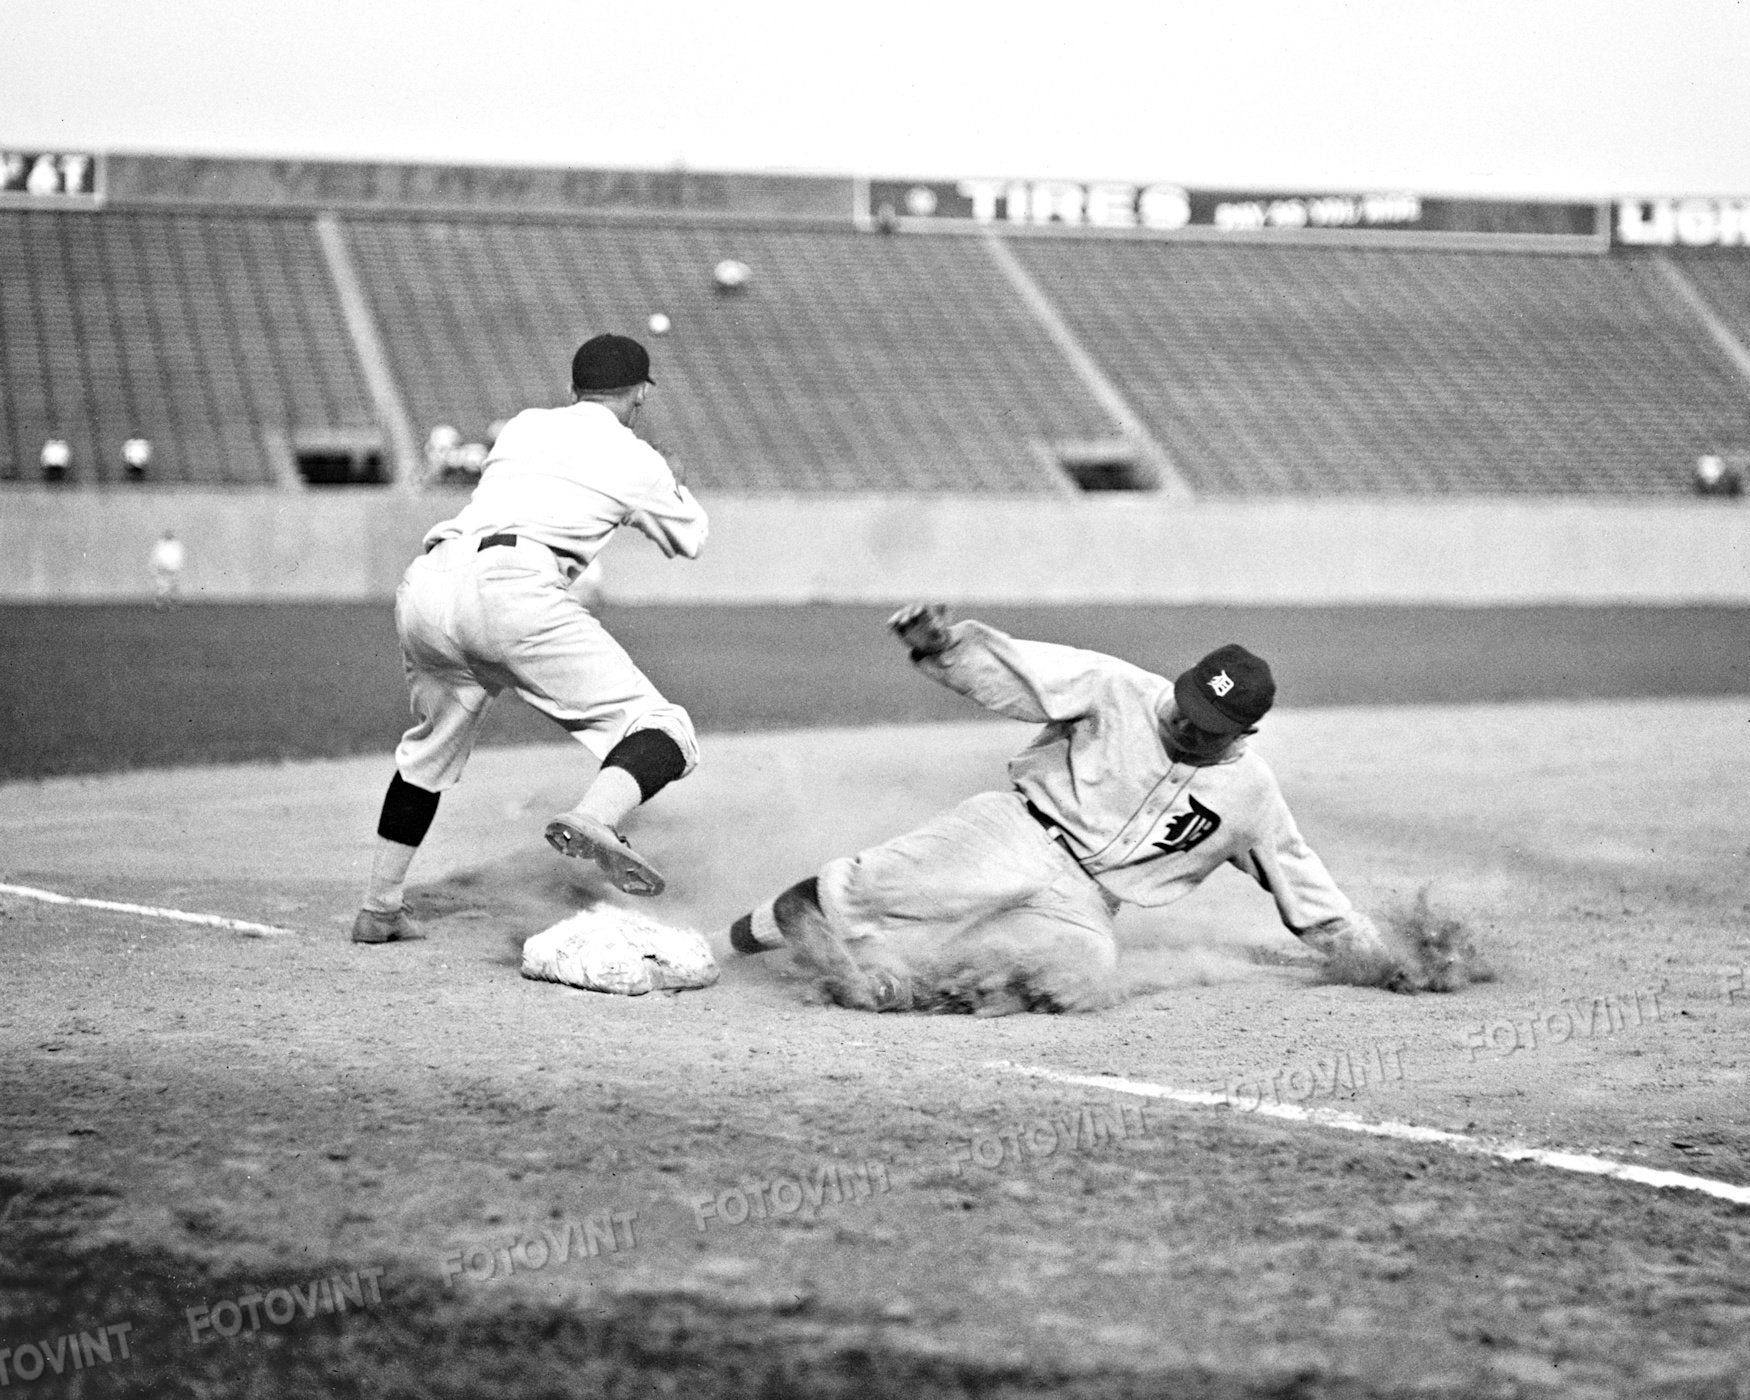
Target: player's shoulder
<point x="1245" y="770"/>
<point x="603" y="426"/>
<point x="646" y="459"/>
<point x="524" y="422"/>
<point x="1128" y="683"/>
<point x="647" y="450"/>
<point x="1244" y="790"/>
<point x="1262" y="787"/>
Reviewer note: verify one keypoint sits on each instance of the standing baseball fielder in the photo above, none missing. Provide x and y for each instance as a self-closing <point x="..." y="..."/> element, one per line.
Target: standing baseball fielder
<point x="1136" y="790"/>
<point x="486" y="608"/>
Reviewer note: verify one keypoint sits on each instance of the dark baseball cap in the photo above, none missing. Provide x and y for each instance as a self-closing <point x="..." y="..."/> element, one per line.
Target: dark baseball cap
<point x="607" y="362"/>
<point x="1226" y="692"/>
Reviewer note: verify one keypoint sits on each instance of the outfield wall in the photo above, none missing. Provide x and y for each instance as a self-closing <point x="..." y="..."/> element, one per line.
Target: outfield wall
<point x="352" y="546"/>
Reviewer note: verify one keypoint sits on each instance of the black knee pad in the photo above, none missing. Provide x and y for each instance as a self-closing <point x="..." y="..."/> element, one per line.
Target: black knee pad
<point x="407" y="812"/>
<point x="652" y="758"/>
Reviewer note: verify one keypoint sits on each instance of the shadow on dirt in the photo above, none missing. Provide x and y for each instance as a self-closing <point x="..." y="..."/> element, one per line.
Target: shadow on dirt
<point x="109" y="1319"/>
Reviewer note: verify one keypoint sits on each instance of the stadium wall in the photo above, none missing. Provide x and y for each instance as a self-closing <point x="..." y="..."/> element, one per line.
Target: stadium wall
<point x="352" y="546"/>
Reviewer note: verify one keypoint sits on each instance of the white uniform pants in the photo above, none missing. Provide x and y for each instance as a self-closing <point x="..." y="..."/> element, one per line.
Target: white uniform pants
<point x="474" y="622"/>
<point x="983" y="881"/>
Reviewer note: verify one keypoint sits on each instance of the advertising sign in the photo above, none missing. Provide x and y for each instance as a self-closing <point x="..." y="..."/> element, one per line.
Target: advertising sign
<point x="1162" y="209"/>
<point x="50" y="177"/>
<point x="1683" y="223"/>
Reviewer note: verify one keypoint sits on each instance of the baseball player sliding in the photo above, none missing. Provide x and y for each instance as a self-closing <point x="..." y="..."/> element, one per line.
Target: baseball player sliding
<point x="487" y="607"/>
<point x="1136" y="790"/>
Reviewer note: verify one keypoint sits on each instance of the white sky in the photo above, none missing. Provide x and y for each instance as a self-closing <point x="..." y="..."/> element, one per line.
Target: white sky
<point x="1533" y="97"/>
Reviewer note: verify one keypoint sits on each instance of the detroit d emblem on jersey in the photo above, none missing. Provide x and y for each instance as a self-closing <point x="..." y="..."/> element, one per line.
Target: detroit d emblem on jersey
<point x="1188" y="829"/>
<point x="1220" y="683"/>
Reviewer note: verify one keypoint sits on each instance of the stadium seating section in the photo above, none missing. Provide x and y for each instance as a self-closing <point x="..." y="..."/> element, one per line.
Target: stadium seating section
<point x="1282" y="370"/>
<point x="860" y="362"/>
<point x="1724" y="282"/>
<point x="200" y="333"/>
<point x="848" y="362"/>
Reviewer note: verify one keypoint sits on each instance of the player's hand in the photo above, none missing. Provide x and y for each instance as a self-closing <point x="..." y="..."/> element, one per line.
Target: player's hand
<point x="923" y="627"/>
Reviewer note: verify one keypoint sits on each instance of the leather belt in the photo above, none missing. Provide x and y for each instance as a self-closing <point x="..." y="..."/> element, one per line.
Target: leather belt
<point x="494" y="541"/>
<point x="1052" y="828"/>
<point x="1055" y="832"/>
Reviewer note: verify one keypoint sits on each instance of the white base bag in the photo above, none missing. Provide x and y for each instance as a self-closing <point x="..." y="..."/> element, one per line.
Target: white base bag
<point x="610" y="949"/>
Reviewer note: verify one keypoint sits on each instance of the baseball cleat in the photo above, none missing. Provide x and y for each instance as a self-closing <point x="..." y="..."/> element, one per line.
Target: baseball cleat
<point x="374" y="926"/>
<point x="575" y="834"/>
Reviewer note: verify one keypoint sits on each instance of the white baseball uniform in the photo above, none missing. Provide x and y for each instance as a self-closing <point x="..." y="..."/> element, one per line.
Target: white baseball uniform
<point x="167" y="559"/>
<point x="1100" y="814"/>
<point x="487" y="606"/>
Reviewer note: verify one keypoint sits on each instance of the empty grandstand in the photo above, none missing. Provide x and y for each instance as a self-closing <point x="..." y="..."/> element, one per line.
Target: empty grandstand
<point x="216" y="337"/>
<point x="1268" y="370"/>
<point x="258" y="341"/>
<point x="849" y="363"/>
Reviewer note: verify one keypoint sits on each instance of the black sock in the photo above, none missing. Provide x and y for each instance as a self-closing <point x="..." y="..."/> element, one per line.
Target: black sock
<point x="741" y="936"/>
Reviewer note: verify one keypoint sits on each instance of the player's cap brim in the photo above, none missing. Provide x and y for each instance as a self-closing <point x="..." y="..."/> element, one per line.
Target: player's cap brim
<point x="1200" y="711"/>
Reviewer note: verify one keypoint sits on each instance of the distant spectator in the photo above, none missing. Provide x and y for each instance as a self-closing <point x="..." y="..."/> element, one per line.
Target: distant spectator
<point x="136" y="457"/>
<point x="167" y="560"/>
<point x="731" y="276"/>
<point x="440" y="451"/>
<point x="887" y="218"/>
<point x="466" y="463"/>
<point x="1715" y="476"/>
<point x="57" y="460"/>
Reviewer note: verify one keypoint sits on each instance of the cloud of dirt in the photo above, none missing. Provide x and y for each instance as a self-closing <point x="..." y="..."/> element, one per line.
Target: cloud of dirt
<point x="982" y="977"/>
<point x="1145" y="971"/>
<point x="1020" y="971"/>
<point x="1430" y="951"/>
<point x="512" y="897"/>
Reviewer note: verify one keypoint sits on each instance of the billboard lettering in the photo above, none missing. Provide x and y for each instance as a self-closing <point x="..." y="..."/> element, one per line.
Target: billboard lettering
<point x="136" y="180"/>
<point x="1097" y="205"/>
<point x="1688" y="223"/>
<point x="1165" y="209"/>
<point x="30" y="177"/>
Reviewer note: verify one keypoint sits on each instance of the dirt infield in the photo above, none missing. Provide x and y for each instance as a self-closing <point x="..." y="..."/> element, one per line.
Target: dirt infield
<point x="289" y="1165"/>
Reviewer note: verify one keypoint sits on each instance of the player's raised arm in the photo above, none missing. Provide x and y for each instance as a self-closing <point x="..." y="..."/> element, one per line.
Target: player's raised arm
<point x="1037" y="682"/>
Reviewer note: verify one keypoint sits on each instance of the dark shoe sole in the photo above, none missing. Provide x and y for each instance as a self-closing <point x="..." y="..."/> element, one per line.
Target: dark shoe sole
<point x="624" y="867"/>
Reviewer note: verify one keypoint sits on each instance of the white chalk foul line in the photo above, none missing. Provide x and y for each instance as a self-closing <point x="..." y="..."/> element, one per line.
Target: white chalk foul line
<point x="150" y="911"/>
<point x="1408" y="1132"/>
